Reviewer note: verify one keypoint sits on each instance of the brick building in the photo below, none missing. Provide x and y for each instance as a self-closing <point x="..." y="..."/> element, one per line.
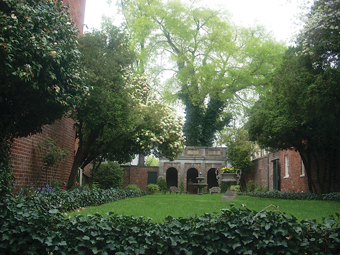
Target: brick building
<point x="282" y="170"/>
<point x="189" y="165"/>
<point x="27" y="165"/>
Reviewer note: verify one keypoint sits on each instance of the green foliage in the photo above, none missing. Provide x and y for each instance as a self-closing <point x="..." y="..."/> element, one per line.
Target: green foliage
<point x="109" y="175"/>
<point x="302" y="107"/>
<point x="132" y="187"/>
<point x="250" y="186"/>
<point x="224" y="187"/>
<point x="161" y="182"/>
<point x="51" y="153"/>
<point x="153" y="188"/>
<point x="261" y="189"/>
<point x="30" y="230"/>
<point x="239" y="149"/>
<point x="236" y="188"/>
<point x="152" y="161"/>
<point x="335" y="196"/>
<point x="211" y="58"/>
<point x="119" y="119"/>
<point x="181" y="186"/>
<point x="40" y="69"/>
<point x="6" y="177"/>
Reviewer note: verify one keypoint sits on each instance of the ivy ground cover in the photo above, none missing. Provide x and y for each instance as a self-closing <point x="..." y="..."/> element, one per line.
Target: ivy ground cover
<point x="36" y="224"/>
<point x="159" y="206"/>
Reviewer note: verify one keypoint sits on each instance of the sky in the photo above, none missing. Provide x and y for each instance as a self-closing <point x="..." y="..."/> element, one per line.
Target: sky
<point x="278" y="16"/>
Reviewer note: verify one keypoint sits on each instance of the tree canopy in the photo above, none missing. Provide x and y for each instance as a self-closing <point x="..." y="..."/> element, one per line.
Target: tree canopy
<point x="119" y="118"/>
<point x="39" y="70"/>
<point x="211" y="59"/>
<point x="302" y="110"/>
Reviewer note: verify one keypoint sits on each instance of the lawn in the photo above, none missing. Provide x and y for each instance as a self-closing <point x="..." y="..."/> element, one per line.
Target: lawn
<point x="159" y="206"/>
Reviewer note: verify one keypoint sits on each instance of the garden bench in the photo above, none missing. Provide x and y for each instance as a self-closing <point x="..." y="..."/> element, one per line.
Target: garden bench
<point x="215" y="189"/>
<point x="174" y="189"/>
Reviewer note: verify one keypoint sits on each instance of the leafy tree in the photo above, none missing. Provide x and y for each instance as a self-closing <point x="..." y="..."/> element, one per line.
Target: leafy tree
<point x="151" y="161"/>
<point x="39" y="69"/>
<point x="239" y="150"/>
<point x="302" y="110"/>
<point x="212" y="59"/>
<point x="109" y="175"/>
<point x="119" y="119"/>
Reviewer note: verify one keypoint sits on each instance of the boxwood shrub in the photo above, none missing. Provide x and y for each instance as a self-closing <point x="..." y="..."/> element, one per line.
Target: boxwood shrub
<point x="28" y="227"/>
<point x="296" y="196"/>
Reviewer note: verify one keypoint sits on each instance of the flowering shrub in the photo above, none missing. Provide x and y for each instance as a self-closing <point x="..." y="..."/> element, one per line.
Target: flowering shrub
<point x="161" y="132"/>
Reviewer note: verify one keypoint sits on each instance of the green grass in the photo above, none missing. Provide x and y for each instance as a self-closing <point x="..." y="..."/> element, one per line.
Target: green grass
<point x="159" y="206"/>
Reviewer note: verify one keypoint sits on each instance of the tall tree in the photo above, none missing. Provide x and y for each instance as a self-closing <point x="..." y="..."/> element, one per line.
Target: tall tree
<point x="119" y="119"/>
<point x="211" y="58"/>
<point x="39" y="70"/>
<point x="303" y="108"/>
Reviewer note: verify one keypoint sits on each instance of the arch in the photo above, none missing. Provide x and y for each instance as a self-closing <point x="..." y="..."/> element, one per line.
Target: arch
<point x="212" y="180"/>
<point x="192" y="173"/>
<point x="172" y="177"/>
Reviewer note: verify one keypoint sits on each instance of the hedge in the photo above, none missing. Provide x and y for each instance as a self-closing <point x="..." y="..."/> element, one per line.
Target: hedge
<point x="27" y="228"/>
<point x="295" y="196"/>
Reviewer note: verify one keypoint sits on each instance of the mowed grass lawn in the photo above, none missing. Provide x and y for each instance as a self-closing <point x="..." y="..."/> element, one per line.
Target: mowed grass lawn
<point x="159" y="206"/>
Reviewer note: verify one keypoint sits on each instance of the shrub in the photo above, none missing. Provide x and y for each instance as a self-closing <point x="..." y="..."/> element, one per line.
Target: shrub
<point x="161" y="182"/>
<point x="153" y="188"/>
<point x="295" y="196"/>
<point x="261" y="189"/>
<point x="250" y="186"/>
<point x="224" y="187"/>
<point x="132" y="187"/>
<point x="109" y="175"/>
<point x="236" y="188"/>
<point x="181" y="186"/>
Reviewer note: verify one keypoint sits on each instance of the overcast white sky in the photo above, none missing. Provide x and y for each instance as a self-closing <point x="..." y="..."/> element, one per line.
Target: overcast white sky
<point x="277" y="15"/>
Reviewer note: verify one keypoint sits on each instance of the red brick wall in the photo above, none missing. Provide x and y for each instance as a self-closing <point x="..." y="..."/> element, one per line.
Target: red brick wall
<point x="27" y="165"/>
<point x="295" y="182"/>
<point x="77" y="12"/>
<point x="263" y="172"/>
<point x="137" y="175"/>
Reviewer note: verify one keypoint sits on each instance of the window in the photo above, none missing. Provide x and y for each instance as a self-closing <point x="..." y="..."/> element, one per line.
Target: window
<point x="302" y="169"/>
<point x="286" y="166"/>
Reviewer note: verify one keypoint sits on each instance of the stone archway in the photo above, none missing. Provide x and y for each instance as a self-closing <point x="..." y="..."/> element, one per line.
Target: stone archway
<point x="192" y="173"/>
<point x="212" y="181"/>
<point x="172" y="177"/>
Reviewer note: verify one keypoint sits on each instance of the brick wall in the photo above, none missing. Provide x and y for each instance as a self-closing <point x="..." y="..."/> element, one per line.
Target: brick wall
<point x="27" y="165"/>
<point x="137" y="175"/>
<point x="261" y="171"/>
<point x="77" y="12"/>
<point x="295" y="182"/>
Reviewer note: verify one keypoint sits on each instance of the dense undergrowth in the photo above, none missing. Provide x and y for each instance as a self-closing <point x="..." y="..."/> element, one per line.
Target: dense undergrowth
<point x="35" y="224"/>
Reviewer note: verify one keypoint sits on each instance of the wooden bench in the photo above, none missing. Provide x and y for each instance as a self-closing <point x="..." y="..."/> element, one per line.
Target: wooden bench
<point x="215" y="189"/>
<point x="174" y="189"/>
